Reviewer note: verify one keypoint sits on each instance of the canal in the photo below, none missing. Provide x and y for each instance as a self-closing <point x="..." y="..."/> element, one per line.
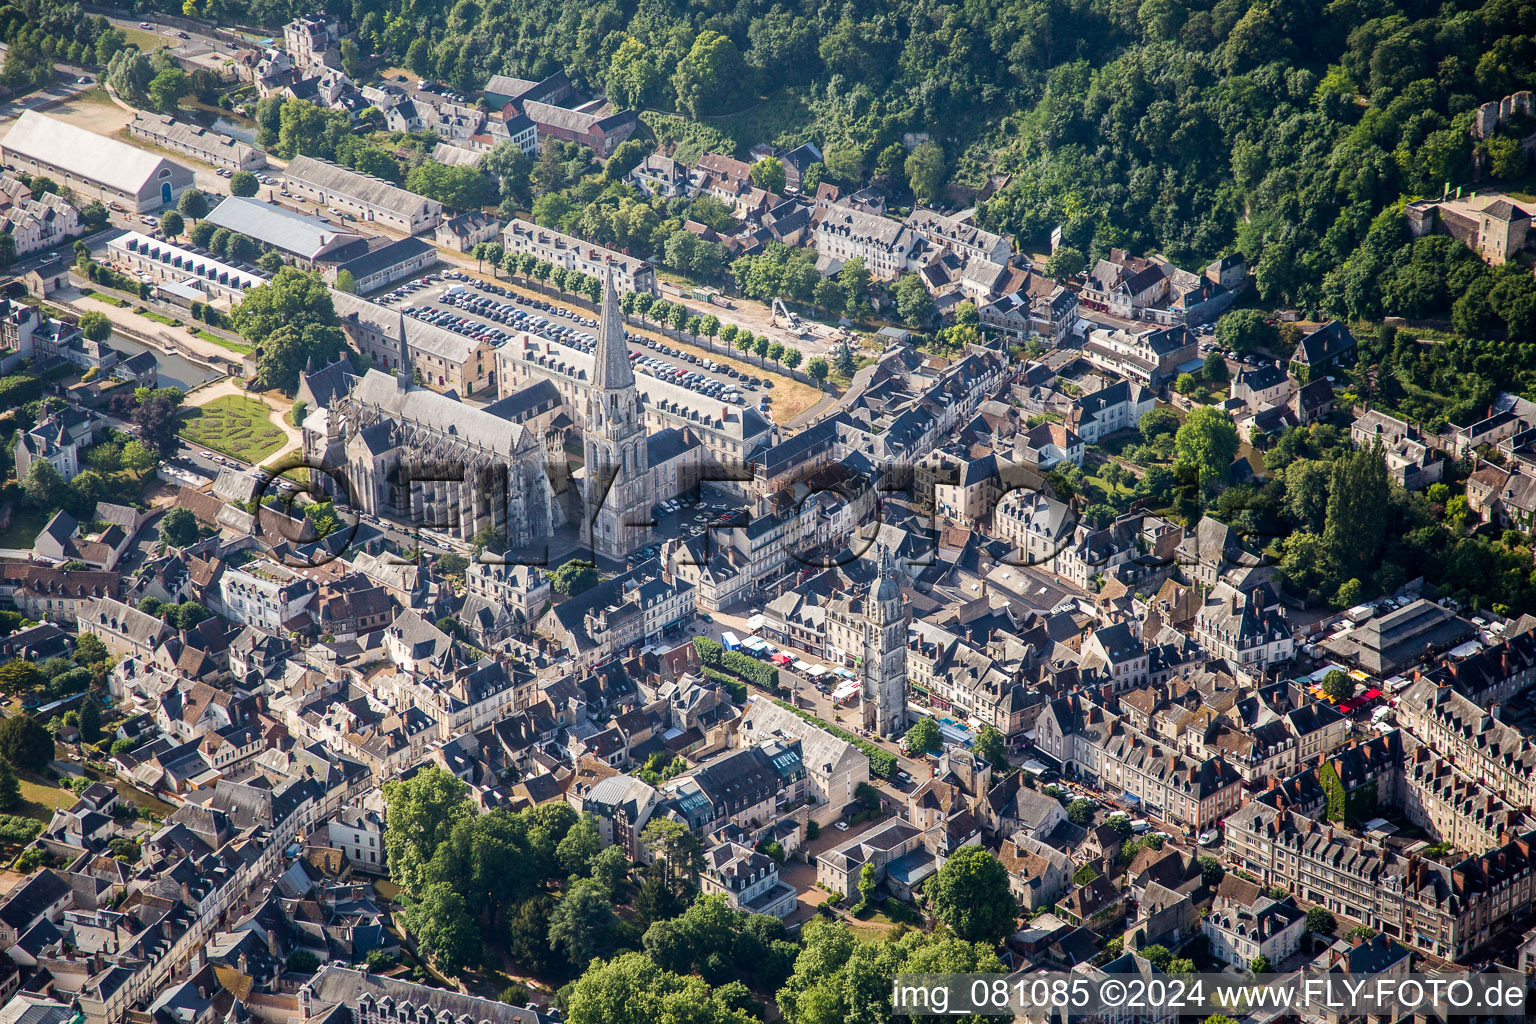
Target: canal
<point x="174" y="370"/>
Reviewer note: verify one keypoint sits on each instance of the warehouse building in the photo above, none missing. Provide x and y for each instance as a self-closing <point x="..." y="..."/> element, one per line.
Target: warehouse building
<point x="363" y="196"/>
<point x="94" y="166"/>
<point x="197" y="142"/>
<point x="308" y="241"/>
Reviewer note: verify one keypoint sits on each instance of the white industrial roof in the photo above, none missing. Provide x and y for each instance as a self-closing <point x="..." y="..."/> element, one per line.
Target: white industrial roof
<point x="293" y="232"/>
<point x="85" y="154"/>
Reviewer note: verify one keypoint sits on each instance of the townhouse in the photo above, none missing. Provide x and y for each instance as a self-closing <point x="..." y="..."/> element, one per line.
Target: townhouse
<point x="1151" y="358"/>
<point x="1498" y="755"/>
<point x="568" y="251"/>
<point x="1445" y="910"/>
<point x="886" y="246"/>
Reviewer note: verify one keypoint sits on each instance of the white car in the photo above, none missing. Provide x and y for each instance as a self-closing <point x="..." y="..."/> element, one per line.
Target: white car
<point x="1210" y="838"/>
<point x="842" y="826"/>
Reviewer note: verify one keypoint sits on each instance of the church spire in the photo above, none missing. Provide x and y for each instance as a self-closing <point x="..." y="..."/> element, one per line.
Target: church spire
<point x="405" y="374"/>
<point x="611" y="367"/>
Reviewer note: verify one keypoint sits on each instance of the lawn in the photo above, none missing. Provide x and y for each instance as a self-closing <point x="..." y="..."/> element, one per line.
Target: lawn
<point x="26" y="524"/>
<point x="158" y="318"/>
<point x="149" y="42"/>
<point x="147" y="805"/>
<point x="233" y="346"/>
<point x="40" y="798"/>
<point x="97" y="95"/>
<point x="234" y="425"/>
<point x="111" y="300"/>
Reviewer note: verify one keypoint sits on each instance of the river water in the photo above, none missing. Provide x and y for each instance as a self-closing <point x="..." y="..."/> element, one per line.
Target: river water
<point x="174" y="371"/>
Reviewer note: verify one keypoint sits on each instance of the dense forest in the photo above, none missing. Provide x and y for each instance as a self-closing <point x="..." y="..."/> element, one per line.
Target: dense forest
<point x="1190" y="127"/>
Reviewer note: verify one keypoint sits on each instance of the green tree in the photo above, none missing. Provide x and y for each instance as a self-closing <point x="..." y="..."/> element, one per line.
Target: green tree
<point x="1158" y="956"/>
<point x="1080" y="812"/>
<point x="990" y="745"/>
<point x="89" y="650"/>
<point x="139" y="457"/>
<point x="441" y="923"/>
<point x="300" y="962"/>
<point x="167" y="88"/>
<point x="17" y="677"/>
<point x="574" y="577"/>
<point x="24" y="743"/>
<point x="632" y="989"/>
<point x="244" y="183"/>
<point x="927" y="171"/>
<point x="609" y="869"/>
<point x="1064" y="262"/>
<point x="46" y="488"/>
<point x="634" y="75"/>
<point x="179" y="526"/>
<point x="768" y="174"/>
<point x="1260" y="964"/>
<point x="1211" y="871"/>
<point x="708" y="79"/>
<point x="1244" y="330"/>
<point x="10" y="787"/>
<point x="923" y="737"/>
<point x="292" y="320"/>
<point x="580" y="845"/>
<point x="829" y="295"/>
<point x="345" y="282"/>
<point x="913" y="301"/>
<point x="1338" y="686"/>
<point x="172" y="223"/>
<point x="1321" y="922"/>
<point x="1206" y="444"/>
<point x="95" y="326"/>
<point x="843" y="359"/>
<point x="1215" y="369"/>
<point x="90" y="720"/>
<point x="420" y="815"/>
<point x="193" y="204"/>
<point x="792" y="358"/>
<point x="970" y="894"/>
<point x="817" y="370"/>
<point x="528" y="934"/>
<point x="1358" y="503"/>
<point x="867" y="885"/>
<point x="581" y="924"/>
<point x="678" y="846"/>
<point x="838" y="978"/>
<point x="459" y="188"/>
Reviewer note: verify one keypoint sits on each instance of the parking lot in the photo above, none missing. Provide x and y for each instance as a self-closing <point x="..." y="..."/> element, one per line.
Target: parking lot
<point x="495" y="314"/>
<point x="690" y="515"/>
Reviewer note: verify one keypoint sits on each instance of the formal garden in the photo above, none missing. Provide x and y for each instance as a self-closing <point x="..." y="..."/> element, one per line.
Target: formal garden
<point x="234" y="425"/>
